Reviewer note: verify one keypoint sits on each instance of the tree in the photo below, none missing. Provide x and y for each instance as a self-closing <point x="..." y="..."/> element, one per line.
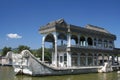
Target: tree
<point x="5" y="50"/>
<point x="38" y="53"/>
<point x="22" y="47"/>
<point x="47" y="54"/>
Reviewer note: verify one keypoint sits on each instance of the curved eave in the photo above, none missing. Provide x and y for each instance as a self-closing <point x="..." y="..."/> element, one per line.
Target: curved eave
<point x="44" y="30"/>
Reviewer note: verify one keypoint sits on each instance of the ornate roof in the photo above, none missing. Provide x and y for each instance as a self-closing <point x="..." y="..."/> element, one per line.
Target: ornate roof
<point x="96" y="28"/>
<point x="62" y="26"/>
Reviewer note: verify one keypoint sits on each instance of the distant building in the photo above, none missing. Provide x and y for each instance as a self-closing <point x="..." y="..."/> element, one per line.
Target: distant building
<point x="75" y="46"/>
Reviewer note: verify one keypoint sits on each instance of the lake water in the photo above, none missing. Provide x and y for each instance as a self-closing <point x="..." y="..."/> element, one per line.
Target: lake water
<point x="6" y="73"/>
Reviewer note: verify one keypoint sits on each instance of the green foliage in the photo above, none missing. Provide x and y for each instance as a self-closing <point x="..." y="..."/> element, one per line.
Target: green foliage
<point x="35" y="52"/>
<point x="48" y="55"/>
<point x="38" y="53"/>
<point x="22" y="47"/>
<point x="15" y="50"/>
<point x="5" y="50"/>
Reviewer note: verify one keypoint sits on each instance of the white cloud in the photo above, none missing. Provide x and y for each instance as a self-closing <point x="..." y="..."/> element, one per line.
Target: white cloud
<point x="14" y="36"/>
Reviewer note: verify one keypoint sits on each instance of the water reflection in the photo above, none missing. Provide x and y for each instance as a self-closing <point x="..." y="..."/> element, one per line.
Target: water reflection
<point x="6" y="73"/>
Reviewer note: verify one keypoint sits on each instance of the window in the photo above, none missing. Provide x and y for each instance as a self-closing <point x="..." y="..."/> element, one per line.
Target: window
<point x="110" y="44"/>
<point x="61" y="59"/>
<point x="65" y="57"/>
<point x="99" y="43"/>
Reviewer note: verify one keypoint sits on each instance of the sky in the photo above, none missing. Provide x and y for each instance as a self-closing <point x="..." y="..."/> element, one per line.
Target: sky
<point x="21" y="19"/>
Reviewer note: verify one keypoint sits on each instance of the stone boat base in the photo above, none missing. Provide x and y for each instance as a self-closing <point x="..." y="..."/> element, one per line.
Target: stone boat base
<point x="30" y="65"/>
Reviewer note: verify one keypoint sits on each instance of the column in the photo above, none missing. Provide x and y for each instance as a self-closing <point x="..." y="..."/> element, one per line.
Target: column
<point x="103" y="59"/>
<point x="55" y="58"/>
<point x="113" y="59"/>
<point x="97" y="58"/>
<point x="68" y="59"/>
<point x="113" y="44"/>
<point x="78" y="59"/>
<point x="68" y="45"/>
<point x="52" y="57"/>
<point x="108" y="59"/>
<point x="78" y="40"/>
<point x="86" y="59"/>
<point x="97" y="42"/>
<point x="93" y="42"/>
<point x="86" y="43"/>
<point x="93" y="59"/>
<point x="69" y="40"/>
<point x="117" y="59"/>
<point x="103" y="43"/>
<point x="108" y="43"/>
<point x="43" y="46"/>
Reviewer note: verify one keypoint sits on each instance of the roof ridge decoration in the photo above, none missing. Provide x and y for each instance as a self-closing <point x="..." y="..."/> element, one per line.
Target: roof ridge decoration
<point x="96" y="28"/>
<point x="56" y="22"/>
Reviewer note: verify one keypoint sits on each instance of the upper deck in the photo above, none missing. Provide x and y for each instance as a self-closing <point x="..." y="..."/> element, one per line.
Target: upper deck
<point x="89" y="37"/>
<point x="63" y="27"/>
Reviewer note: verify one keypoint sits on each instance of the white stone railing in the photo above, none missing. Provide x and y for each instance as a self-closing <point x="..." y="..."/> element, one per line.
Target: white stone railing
<point x="88" y="47"/>
<point x="91" y="47"/>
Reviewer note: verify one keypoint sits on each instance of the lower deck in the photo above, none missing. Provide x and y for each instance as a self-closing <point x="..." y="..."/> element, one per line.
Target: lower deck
<point x="84" y="59"/>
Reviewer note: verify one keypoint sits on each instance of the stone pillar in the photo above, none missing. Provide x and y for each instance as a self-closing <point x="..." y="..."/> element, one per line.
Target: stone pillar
<point x="68" y="40"/>
<point x="113" y="59"/>
<point x="52" y="57"/>
<point x="113" y="44"/>
<point x="97" y="42"/>
<point x="55" y="58"/>
<point x="109" y="59"/>
<point x="68" y="59"/>
<point x="108" y="43"/>
<point x="86" y="59"/>
<point x="93" y="42"/>
<point x="103" y="43"/>
<point x="78" y="40"/>
<point x="97" y="59"/>
<point x="117" y="59"/>
<point x="86" y="43"/>
<point x="93" y="59"/>
<point x="102" y="59"/>
<point x="78" y="60"/>
<point x="68" y="47"/>
<point x="43" y="46"/>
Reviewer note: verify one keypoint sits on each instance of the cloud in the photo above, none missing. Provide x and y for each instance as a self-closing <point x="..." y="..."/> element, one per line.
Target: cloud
<point x="14" y="36"/>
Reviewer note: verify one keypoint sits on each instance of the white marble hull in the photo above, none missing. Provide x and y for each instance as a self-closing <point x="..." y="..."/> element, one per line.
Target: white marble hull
<point x="26" y="63"/>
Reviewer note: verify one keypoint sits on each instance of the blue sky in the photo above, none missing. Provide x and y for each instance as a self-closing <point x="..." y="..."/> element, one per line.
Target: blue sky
<point x="21" y="19"/>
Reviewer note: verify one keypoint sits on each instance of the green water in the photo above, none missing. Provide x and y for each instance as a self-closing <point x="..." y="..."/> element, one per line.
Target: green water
<point x="6" y="73"/>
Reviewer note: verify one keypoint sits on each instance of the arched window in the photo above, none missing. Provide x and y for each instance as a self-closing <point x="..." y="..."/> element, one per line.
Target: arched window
<point x="49" y="41"/>
<point x="100" y="59"/>
<point x="82" y="41"/>
<point x="90" y="41"/>
<point x="74" y="59"/>
<point x="105" y="44"/>
<point x="110" y="44"/>
<point x="106" y="57"/>
<point x="82" y="59"/>
<point x="74" y="39"/>
<point x="90" y="59"/>
<point x="62" y="39"/>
